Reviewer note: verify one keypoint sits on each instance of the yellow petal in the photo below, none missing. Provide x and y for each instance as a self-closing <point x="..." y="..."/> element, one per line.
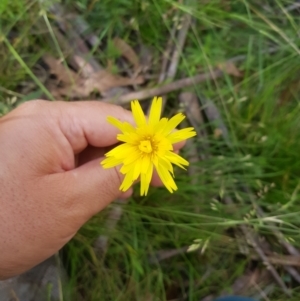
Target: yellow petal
<point x="176" y="159"/>
<point x="159" y="127"/>
<point x="155" y="159"/>
<point x="155" y="111"/>
<point x="166" y="178"/>
<point x="164" y="144"/>
<point x="122" y="126"/>
<point x="111" y="162"/>
<point x="143" y="185"/>
<point x="115" y="122"/>
<point x="181" y="135"/>
<point x="121" y="151"/>
<point x="125" y="152"/>
<point x="146" y="130"/>
<point x="128" y="181"/>
<point x="136" y="155"/>
<point x="145" y="163"/>
<point x="137" y="169"/>
<point x="126" y="168"/>
<point x="173" y="122"/>
<point x="128" y="128"/>
<point x="145" y="180"/>
<point x="166" y="164"/>
<point x="138" y="113"/>
<point x="131" y="138"/>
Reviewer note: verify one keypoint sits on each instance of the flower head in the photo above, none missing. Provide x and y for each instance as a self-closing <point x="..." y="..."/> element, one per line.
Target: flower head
<point x="147" y="146"/>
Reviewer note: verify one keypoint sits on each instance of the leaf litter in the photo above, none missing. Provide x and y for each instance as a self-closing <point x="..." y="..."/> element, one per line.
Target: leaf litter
<point x="69" y="84"/>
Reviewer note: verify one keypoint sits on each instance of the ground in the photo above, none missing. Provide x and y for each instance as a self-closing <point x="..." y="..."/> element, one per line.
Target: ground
<point x="233" y="225"/>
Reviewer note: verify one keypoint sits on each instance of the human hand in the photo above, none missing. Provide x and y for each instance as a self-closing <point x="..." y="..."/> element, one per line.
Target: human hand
<point x="51" y="180"/>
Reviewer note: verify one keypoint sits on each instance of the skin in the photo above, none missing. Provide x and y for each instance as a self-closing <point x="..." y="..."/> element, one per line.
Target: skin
<point x="51" y="179"/>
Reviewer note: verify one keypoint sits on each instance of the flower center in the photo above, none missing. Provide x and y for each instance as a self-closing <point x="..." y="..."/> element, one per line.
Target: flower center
<point x="145" y="146"/>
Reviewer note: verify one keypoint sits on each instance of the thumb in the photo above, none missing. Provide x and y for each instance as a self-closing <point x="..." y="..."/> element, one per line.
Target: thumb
<point x="90" y="189"/>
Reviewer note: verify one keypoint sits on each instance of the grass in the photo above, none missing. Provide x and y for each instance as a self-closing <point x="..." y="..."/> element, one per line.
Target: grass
<point x="260" y="109"/>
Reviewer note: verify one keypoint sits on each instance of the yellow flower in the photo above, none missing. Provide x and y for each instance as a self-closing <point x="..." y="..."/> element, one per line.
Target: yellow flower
<point x="147" y="146"/>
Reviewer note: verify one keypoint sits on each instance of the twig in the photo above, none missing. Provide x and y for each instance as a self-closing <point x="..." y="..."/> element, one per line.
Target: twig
<point x="190" y="104"/>
<point x="283" y="260"/>
<point x="166" y="254"/>
<point x="167" y="54"/>
<point x="180" y="41"/>
<point x="165" y="61"/>
<point x="176" y="85"/>
<point x="174" y="45"/>
<point x="177" y="52"/>
<point x="178" y="47"/>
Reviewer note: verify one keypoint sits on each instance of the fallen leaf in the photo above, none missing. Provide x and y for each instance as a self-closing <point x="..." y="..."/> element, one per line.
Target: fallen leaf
<point x="72" y="85"/>
<point x="127" y="51"/>
<point x="62" y="73"/>
<point x="230" y="68"/>
<point x="86" y="69"/>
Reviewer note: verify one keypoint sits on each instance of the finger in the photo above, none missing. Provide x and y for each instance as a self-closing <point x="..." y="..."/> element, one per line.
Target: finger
<point x="179" y="145"/>
<point x="156" y="181"/>
<point x="85" y="122"/>
<point x="88" y="189"/>
<point x="127" y="194"/>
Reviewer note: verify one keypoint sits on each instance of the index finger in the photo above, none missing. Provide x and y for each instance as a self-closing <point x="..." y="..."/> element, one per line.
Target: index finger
<point x="85" y="123"/>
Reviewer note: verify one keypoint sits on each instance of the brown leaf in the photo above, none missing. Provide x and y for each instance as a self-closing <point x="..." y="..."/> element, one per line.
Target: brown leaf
<point x="81" y="85"/>
<point x="230" y="68"/>
<point x="127" y="51"/>
<point x="86" y="69"/>
<point x="62" y="73"/>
